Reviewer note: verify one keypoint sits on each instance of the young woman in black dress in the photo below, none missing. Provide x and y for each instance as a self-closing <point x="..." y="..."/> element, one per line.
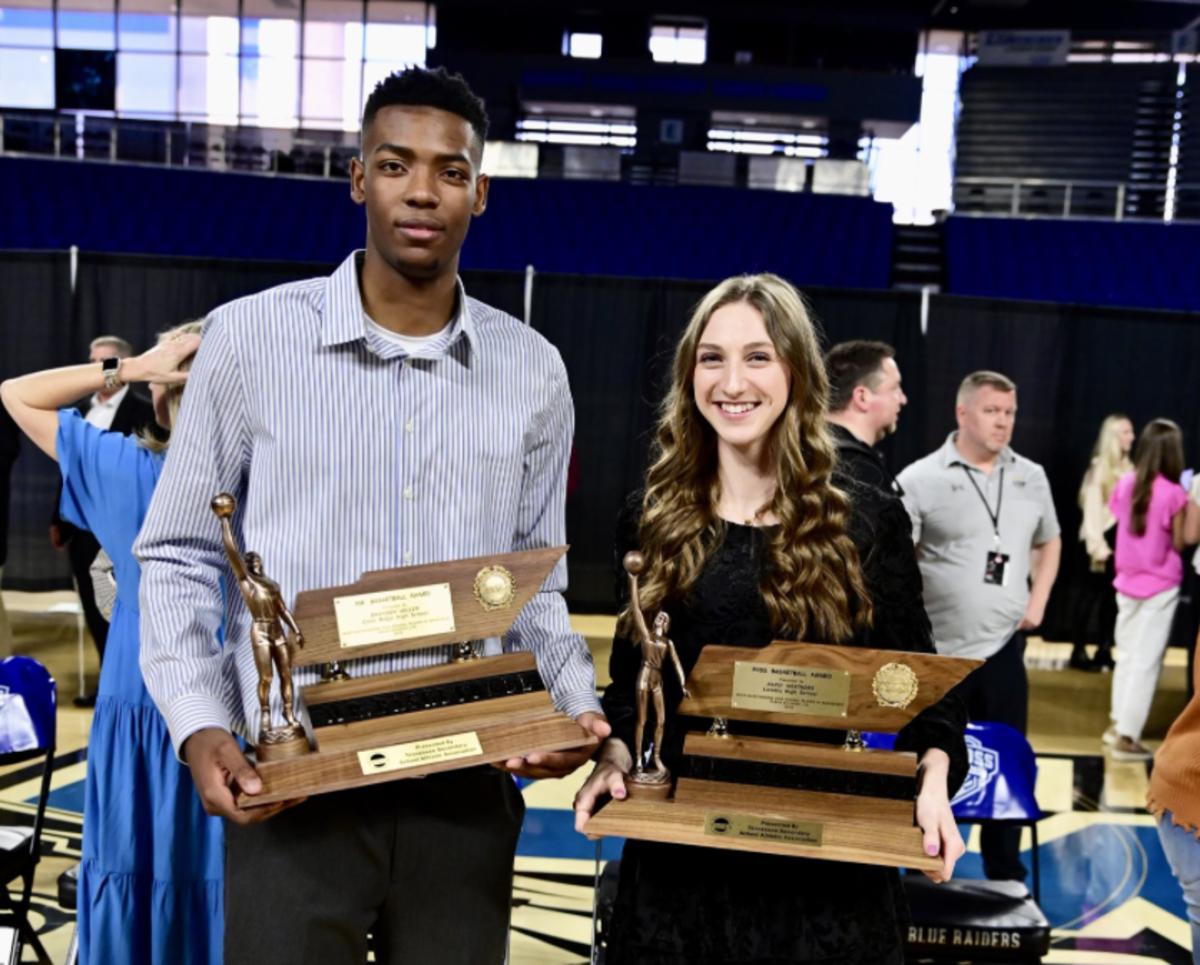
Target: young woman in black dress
<point x="747" y="539"/>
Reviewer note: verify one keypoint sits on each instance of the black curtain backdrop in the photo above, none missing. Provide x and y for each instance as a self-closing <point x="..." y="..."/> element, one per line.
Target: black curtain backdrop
<point x="35" y="322"/>
<point x="1073" y="365"/>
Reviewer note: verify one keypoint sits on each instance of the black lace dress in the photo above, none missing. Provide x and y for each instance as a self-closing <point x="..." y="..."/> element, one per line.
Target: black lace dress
<point x="702" y="906"/>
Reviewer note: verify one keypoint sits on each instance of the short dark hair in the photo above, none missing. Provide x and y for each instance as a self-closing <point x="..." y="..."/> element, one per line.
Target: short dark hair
<point x="851" y="364"/>
<point x="428" y="87"/>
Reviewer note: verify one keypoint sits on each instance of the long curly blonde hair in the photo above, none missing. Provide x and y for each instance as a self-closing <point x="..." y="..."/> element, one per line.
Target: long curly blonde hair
<point x="812" y="580"/>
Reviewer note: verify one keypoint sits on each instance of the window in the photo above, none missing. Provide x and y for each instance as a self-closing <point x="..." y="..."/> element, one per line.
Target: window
<point x="146" y="84"/>
<point x="270" y="66"/>
<point x="259" y="62"/>
<point x="783" y="134"/>
<point x="585" y="45"/>
<point x="397" y="35"/>
<point x="26" y="23"/>
<point x="87" y="24"/>
<point x="596" y="125"/>
<point x="679" y="42"/>
<point x="331" y="84"/>
<point x="27" y="78"/>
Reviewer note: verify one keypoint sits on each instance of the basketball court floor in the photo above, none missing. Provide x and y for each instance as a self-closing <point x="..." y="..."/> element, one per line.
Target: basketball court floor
<point x="1106" y="887"/>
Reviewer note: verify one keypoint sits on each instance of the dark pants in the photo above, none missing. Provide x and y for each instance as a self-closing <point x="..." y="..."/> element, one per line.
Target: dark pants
<point x="999" y="692"/>
<point x="1095" y="617"/>
<point x="425" y="865"/>
<point x="81" y="550"/>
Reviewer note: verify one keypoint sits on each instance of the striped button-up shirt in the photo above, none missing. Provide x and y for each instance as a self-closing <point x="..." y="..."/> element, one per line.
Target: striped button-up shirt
<point x="348" y="455"/>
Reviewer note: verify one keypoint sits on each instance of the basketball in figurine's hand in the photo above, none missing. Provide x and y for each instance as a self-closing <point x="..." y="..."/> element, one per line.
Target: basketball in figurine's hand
<point x="634" y="563"/>
<point x="223" y="505"/>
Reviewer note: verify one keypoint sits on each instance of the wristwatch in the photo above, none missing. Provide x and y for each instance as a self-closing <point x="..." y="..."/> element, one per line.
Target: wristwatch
<point x="111" y="369"/>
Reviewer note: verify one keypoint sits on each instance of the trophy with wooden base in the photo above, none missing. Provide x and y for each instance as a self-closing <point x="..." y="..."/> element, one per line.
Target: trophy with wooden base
<point x="764" y="790"/>
<point x="346" y="731"/>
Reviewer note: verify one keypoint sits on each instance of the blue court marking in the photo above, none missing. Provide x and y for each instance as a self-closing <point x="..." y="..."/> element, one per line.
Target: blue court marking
<point x="69" y="797"/>
<point x="550" y="833"/>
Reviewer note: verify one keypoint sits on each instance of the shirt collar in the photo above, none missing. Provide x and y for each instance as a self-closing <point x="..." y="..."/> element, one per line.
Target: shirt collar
<point x="343" y="318"/>
<point x="950" y="455"/>
<point x="113" y="400"/>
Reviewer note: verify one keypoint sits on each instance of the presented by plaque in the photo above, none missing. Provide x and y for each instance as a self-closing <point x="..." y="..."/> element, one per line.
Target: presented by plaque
<point x="351" y="729"/>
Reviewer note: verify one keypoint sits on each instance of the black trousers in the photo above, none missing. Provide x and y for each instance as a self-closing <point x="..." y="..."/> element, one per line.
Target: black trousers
<point x="424" y="865"/>
<point x="1095" y="617"/>
<point x="999" y="692"/>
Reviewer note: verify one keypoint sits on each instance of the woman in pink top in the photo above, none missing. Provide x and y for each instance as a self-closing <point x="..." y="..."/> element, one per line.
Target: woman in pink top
<point x="1152" y="527"/>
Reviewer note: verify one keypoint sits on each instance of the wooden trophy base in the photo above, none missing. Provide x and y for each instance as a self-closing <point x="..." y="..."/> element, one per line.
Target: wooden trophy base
<point x="281" y="744"/>
<point x="370" y="730"/>
<point x="772" y="815"/>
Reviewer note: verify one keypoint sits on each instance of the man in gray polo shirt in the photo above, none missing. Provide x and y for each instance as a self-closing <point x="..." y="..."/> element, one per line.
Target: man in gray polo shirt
<point x="988" y="546"/>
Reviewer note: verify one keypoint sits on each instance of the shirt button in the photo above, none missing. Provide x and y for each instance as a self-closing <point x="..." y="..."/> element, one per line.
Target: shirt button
<point x="408" y="556"/>
<point x="408" y="426"/>
<point x="408" y="492"/>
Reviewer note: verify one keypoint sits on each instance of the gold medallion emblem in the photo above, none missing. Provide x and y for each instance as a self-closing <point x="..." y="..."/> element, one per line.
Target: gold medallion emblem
<point x="495" y="588"/>
<point x="895" y="685"/>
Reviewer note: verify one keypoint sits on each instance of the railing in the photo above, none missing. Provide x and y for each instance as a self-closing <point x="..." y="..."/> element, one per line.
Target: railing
<point x="178" y="144"/>
<point x="1052" y="198"/>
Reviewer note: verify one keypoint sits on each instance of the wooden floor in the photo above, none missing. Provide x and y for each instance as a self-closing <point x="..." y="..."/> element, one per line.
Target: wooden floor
<point x="1106" y="888"/>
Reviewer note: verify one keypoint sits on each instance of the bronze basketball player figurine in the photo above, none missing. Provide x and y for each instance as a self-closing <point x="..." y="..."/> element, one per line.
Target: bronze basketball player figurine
<point x="655" y="648"/>
<point x="272" y="647"/>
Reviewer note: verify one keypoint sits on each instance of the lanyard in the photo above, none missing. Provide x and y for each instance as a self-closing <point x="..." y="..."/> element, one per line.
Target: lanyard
<point x="994" y="517"/>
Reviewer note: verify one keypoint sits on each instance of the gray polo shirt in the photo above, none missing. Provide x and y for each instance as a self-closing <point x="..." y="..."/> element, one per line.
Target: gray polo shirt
<point x="953" y="531"/>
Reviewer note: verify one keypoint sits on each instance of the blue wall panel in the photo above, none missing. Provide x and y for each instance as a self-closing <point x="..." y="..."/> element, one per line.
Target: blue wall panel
<point x="1132" y="264"/>
<point x="558" y="226"/>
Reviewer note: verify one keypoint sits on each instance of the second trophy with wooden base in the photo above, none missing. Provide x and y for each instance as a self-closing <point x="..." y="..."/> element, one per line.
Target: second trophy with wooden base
<point x="764" y="790"/>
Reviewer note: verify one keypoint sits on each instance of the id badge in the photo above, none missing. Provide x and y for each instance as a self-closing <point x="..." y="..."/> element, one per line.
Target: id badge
<point x="996" y="570"/>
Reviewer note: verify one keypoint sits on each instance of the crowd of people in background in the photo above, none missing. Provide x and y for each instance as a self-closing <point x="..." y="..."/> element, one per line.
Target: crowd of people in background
<point x="765" y="476"/>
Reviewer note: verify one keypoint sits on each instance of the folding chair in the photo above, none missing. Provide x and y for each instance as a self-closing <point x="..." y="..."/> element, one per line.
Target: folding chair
<point x="974" y="920"/>
<point x="27" y="733"/>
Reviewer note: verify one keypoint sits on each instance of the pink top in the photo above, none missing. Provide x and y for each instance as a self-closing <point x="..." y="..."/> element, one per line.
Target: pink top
<point x="1147" y="564"/>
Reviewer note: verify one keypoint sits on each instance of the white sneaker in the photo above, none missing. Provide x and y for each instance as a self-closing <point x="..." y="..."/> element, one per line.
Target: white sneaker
<point x="1110" y="736"/>
<point x="1127" y="749"/>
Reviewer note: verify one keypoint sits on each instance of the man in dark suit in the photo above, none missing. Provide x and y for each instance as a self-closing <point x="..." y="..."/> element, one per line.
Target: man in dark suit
<point x="122" y="411"/>
<point x="865" y="400"/>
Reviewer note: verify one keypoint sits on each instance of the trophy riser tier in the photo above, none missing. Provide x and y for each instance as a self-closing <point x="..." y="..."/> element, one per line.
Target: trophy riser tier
<point x="853" y="827"/>
<point x="519" y="723"/>
<point x="881" y="831"/>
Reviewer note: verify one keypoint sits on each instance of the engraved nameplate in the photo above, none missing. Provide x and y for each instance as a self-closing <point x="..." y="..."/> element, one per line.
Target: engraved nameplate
<point x="726" y="825"/>
<point x="397" y="757"/>
<point x="370" y="618"/>
<point x="790" y="690"/>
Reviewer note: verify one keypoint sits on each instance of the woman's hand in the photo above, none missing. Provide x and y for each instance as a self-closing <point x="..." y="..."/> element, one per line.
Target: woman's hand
<point x="161" y="363"/>
<point x="606" y="780"/>
<point x="934" y="817"/>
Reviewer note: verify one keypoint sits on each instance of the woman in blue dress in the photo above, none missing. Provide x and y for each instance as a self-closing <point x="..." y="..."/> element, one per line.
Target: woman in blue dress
<point x="150" y="885"/>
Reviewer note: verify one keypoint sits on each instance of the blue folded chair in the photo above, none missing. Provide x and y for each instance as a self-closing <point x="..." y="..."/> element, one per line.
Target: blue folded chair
<point x="28" y="699"/>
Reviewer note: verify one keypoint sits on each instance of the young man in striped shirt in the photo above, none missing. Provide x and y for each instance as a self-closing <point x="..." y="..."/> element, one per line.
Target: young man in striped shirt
<point x="375" y="418"/>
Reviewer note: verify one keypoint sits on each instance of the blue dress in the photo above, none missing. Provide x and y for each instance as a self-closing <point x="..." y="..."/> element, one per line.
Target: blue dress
<point x="151" y="881"/>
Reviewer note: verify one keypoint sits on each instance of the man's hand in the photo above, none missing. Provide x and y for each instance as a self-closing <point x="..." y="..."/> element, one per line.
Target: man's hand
<point x="548" y="764"/>
<point x="1035" y="612"/>
<point x="56" y="536"/>
<point x="219" y="770"/>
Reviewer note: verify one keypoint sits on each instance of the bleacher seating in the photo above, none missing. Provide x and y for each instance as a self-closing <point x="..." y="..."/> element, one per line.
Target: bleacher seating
<point x="1082" y="122"/>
